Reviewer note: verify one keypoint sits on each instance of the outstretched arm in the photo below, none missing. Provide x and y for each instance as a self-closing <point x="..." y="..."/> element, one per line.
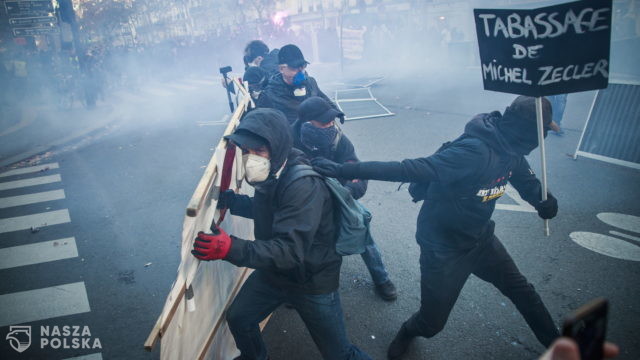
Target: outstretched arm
<point x="458" y="161"/>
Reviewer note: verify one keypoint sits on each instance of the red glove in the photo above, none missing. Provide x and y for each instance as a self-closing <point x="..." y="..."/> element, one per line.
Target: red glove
<point x="211" y="246"/>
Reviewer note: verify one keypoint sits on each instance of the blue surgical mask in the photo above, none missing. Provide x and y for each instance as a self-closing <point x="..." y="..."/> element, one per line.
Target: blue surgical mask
<point x="299" y="78"/>
<point x="318" y="140"/>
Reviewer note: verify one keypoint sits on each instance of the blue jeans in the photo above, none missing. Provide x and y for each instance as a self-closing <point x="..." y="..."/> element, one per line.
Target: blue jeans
<point x="322" y="314"/>
<point x="373" y="260"/>
<point x="558" y="103"/>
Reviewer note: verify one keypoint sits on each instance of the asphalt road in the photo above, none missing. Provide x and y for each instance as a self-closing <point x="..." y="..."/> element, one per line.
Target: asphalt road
<point x="126" y="189"/>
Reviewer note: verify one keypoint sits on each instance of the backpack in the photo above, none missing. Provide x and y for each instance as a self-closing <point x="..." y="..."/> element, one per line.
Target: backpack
<point x="352" y="219"/>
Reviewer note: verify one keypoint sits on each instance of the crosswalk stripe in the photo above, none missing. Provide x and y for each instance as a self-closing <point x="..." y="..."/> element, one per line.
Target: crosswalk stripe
<point x="30" y="169"/>
<point x="30" y="182"/>
<point x="36" y="220"/>
<point x="96" y="356"/>
<point x="33" y="305"/>
<point x="38" y="253"/>
<point x="31" y="198"/>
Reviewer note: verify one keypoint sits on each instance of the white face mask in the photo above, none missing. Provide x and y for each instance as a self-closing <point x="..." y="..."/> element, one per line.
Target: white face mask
<point x="256" y="168"/>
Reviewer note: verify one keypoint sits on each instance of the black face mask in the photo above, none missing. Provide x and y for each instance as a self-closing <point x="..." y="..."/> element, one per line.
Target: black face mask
<point x="522" y="136"/>
<point x="318" y="140"/>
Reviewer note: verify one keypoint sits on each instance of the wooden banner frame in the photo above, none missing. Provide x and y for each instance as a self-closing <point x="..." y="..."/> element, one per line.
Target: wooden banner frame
<point x="199" y="215"/>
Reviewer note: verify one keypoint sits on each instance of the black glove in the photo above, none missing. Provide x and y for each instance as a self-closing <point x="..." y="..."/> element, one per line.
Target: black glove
<point x="226" y="199"/>
<point x="326" y="167"/>
<point x="549" y="208"/>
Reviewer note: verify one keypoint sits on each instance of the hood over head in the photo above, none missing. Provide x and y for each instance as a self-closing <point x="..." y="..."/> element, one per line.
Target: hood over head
<point x="514" y="132"/>
<point x="272" y="126"/>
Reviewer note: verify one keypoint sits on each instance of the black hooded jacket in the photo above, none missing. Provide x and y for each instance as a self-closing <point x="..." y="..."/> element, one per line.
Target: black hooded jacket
<point x="465" y="178"/>
<point x="270" y="62"/>
<point x="282" y="97"/>
<point x="342" y="152"/>
<point x="294" y="227"/>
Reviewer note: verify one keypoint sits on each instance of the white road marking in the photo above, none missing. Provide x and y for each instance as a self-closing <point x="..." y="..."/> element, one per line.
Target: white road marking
<point x="621" y="221"/>
<point x="31" y="198"/>
<point x="38" y="253"/>
<point x="511" y="207"/>
<point x="96" y="356"/>
<point x="41" y="180"/>
<point x="35" y="220"/>
<point x="522" y="205"/>
<point x="223" y="121"/>
<point x="30" y="169"/>
<point x="33" y="305"/>
<point x="211" y="123"/>
<point x="607" y="245"/>
<point x="622" y="235"/>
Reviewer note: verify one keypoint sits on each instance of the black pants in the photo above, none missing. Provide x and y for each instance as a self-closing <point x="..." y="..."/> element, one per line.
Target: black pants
<point x="444" y="273"/>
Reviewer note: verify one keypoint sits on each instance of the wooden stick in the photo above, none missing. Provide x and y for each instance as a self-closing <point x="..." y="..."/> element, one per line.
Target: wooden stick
<point x="542" y="156"/>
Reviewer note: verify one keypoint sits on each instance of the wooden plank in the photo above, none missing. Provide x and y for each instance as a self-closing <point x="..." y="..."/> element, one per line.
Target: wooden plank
<point x="195" y="220"/>
<point x="204" y="186"/>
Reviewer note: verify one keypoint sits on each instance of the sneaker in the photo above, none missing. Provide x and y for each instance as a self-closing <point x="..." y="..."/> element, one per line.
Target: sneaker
<point x="387" y="291"/>
<point x="400" y="344"/>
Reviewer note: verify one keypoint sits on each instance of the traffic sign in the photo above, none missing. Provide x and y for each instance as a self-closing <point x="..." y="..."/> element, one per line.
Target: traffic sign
<point x="28" y="7"/>
<point x="35" y="31"/>
<point x="33" y="20"/>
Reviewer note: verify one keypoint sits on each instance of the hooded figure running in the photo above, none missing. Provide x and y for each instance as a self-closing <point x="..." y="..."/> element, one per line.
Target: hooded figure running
<point x="294" y="253"/>
<point x="460" y="184"/>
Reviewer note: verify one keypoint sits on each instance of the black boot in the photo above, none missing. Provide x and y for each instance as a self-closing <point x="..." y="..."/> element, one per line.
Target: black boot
<point x="387" y="291"/>
<point x="400" y="344"/>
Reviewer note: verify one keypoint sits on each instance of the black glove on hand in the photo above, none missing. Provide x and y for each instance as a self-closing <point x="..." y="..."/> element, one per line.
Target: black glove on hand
<point x="226" y="199"/>
<point x="549" y="208"/>
<point x="326" y="167"/>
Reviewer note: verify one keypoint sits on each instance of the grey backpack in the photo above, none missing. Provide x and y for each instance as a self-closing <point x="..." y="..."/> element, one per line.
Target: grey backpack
<point x="352" y="219"/>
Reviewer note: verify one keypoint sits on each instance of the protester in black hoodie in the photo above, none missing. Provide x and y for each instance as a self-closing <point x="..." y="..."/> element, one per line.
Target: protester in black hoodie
<point x="460" y="184"/>
<point x="292" y="85"/>
<point x="257" y="54"/>
<point x="317" y="134"/>
<point x="294" y="252"/>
